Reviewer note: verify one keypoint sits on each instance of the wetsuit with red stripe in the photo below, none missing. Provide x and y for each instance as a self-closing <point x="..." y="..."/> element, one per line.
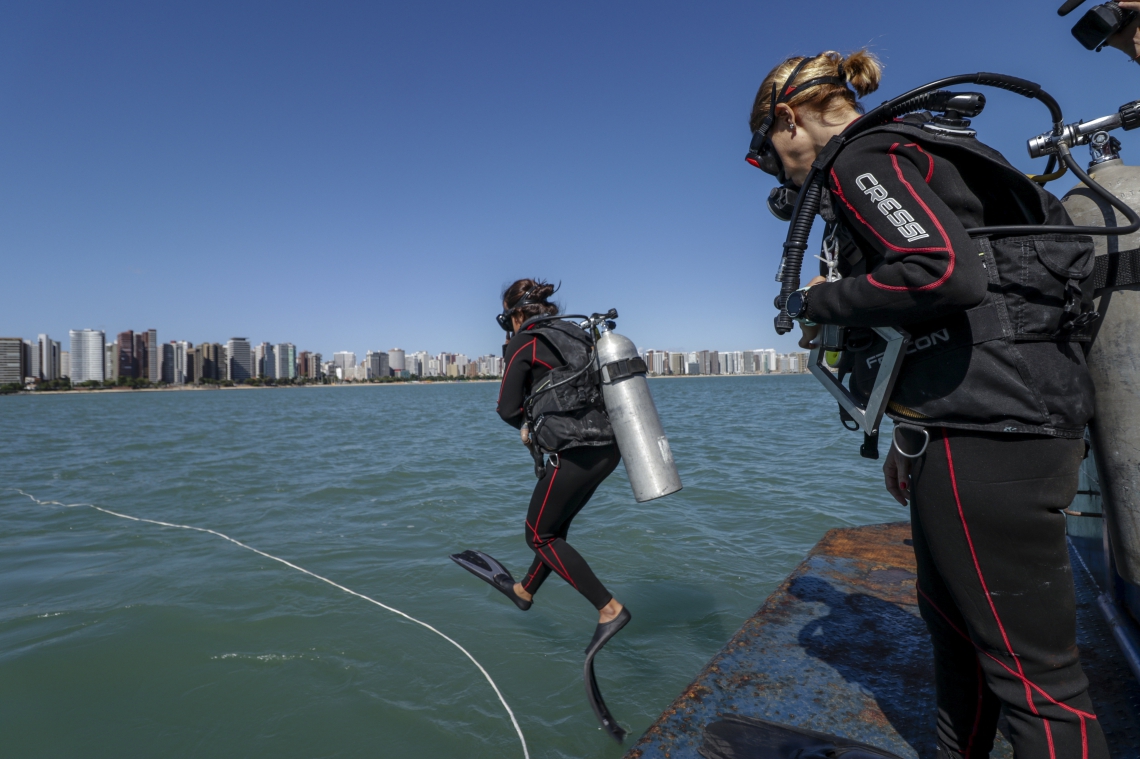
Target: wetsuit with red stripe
<point x="994" y="579"/>
<point x="908" y="210"/>
<point x="564" y="489"/>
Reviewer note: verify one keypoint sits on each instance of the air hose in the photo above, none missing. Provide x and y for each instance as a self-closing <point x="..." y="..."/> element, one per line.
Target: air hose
<point x="926" y="97"/>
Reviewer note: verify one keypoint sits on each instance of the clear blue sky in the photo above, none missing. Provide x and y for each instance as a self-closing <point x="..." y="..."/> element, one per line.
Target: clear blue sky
<point x="355" y="176"/>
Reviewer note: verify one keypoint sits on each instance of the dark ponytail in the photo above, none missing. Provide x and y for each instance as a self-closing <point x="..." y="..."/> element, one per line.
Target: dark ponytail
<point x="537" y="294"/>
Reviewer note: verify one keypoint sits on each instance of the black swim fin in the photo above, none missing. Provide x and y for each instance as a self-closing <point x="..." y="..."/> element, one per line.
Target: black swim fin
<point x="602" y="635"/>
<point x="492" y="572"/>
<point x="734" y="737"/>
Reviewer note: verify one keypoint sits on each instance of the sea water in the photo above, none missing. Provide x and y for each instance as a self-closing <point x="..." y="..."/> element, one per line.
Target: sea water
<point x="127" y="639"/>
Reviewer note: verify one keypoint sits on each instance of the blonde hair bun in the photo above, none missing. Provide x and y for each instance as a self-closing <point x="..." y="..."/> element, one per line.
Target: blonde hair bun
<point x="864" y="72"/>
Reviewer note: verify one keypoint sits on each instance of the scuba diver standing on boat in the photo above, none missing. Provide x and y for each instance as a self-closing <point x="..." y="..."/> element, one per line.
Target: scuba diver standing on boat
<point x="991" y="401"/>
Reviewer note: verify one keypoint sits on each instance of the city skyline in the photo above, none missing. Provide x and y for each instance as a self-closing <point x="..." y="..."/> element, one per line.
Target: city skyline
<point x="141" y="356"/>
<point x="671" y="349"/>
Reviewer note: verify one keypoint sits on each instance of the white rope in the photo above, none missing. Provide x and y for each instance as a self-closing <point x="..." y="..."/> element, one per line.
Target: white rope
<point x="511" y="714"/>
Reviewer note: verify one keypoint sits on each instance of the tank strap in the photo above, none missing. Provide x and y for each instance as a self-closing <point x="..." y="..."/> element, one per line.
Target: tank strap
<point x="1116" y="270"/>
<point x="627" y="367"/>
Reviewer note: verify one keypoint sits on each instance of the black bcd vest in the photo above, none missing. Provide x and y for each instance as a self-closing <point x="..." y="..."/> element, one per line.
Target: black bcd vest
<point x="1014" y="362"/>
<point x="565" y="409"/>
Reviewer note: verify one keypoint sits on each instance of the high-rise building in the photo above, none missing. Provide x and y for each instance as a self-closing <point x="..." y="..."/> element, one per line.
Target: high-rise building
<point x="13" y="369"/>
<point x="259" y="368"/>
<point x="142" y="356"/>
<point x="397" y="361"/>
<point x="154" y="365"/>
<point x="490" y="365"/>
<point x="32" y="359"/>
<point x="209" y="362"/>
<point x="731" y="362"/>
<point x="55" y="360"/>
<point x="48" y="358"/>
<point x="657" y="362"/>
<point x="765" y="360"/>
<point x="111" y="362"/>
<point x="285" y="355"/>
<point x="416" y="364"/>
<point x="166" y="370"/>
<point x="269" y="361"/>
<point x="378" y="364"/>
<point x="183" y="362"/>
<point x="344" y="360"/>
<point x="88" y="354"/>
<point x="677" y="363"/>
<point x="65" y="364"/>
<point x="125" y="361"/>
<point x="239" y="359"/>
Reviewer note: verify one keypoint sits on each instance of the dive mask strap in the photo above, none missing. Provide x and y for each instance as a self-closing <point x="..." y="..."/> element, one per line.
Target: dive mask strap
<point x="759" y="146"/>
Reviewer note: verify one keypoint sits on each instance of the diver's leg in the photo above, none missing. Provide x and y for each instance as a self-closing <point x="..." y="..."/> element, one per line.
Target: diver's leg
<point x="967" y="709"/>
<point x="990" y="510"/>
<point x="538" y="571"/>
<point x="555" y="501"/>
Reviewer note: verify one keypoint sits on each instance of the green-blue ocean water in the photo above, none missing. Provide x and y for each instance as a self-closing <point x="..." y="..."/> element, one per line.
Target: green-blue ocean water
<point x="125" y="639"/>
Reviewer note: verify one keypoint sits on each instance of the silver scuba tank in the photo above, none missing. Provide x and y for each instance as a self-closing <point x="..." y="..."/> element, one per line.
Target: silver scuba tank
<point x="640" y="437"/>
<point x="1114" y="358"/>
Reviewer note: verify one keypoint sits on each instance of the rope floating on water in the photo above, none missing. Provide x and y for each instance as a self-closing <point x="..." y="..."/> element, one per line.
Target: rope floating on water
<point x="410" y="618"/>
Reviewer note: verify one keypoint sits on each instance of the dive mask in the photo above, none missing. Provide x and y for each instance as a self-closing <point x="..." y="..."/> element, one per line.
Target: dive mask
<point x="761" y="152"/>
<point x="504" y="319"/>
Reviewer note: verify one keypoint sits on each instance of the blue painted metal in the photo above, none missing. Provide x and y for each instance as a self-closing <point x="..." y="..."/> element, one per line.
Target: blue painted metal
<point x="840" y="648"/>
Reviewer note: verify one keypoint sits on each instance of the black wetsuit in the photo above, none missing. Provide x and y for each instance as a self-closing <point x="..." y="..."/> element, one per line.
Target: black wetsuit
<point x="995" y="584"/>
<point x="563" y="490"/>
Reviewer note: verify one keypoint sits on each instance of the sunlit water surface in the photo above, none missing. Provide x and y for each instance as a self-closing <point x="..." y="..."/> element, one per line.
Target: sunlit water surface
<point x="121" y="639"/>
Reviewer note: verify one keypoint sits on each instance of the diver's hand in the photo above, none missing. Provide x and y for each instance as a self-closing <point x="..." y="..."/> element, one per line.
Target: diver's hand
<point x="896" y="471"/>
<point x="524" y="434"/>
<point x="807" y="339"/>
<point x="1128" y="38"/>
<point x="810" y="333"/>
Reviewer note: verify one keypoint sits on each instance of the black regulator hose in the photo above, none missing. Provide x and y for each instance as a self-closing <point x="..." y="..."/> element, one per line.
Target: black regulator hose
<point x="799" y="230"/>
<point x="1060" y="229"/>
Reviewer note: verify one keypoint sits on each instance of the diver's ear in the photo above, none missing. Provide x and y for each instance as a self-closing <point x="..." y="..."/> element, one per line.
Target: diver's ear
<point x="786" y="116"/>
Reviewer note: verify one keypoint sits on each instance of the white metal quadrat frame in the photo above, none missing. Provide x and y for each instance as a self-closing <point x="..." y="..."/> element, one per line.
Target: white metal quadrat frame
<point x="869" y="415"/>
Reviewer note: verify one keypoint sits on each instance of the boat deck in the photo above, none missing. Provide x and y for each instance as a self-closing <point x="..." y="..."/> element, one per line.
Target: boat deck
<point x="840" y="648"/>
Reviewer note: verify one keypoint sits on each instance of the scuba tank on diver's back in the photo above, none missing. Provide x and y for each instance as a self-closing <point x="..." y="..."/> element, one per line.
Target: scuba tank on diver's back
<point x="567" y="409"/>
<point x="633" y="415"/>
<point x="1114" y="356"/>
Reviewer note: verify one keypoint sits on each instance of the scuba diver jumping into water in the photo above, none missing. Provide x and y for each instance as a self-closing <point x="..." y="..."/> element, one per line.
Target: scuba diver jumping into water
<point x="993" y="394"/>
<point x="552" y="394"/>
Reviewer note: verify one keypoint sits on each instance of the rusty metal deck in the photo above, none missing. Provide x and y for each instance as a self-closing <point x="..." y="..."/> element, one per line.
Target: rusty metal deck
<point x="839" y="647"/>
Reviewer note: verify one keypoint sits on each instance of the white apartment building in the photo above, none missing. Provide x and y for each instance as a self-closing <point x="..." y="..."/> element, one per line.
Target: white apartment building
<point x="285" y="359"/>
<point x="344" y="360"/>
<point x="48" y="363"/>
<point x="88" y="355"/>
<point x="183" y="360"/>
<point x="397" y="361"/>
<point x="416" y="363"/>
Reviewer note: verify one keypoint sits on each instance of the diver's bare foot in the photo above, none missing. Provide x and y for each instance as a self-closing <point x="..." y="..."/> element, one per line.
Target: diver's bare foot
<point x="522" y="593"/>
<point x="609" y="611"/>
